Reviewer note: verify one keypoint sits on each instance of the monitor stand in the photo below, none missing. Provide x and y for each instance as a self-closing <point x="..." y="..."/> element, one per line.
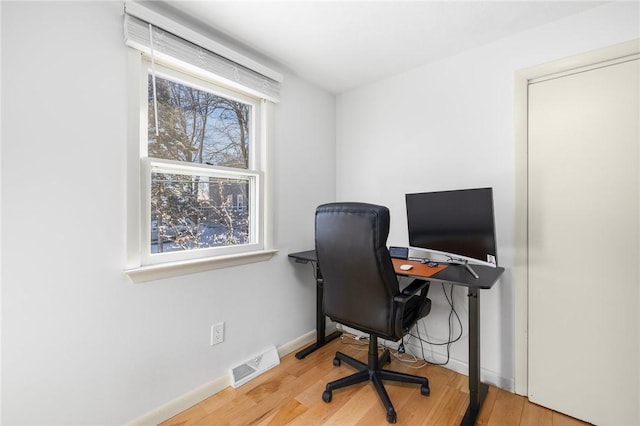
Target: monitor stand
<point x="462" y="262"/>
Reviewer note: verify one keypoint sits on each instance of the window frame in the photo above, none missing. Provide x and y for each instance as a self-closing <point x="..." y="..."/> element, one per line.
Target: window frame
<point x="141" y="264"/>
<point x="151" y="165"/>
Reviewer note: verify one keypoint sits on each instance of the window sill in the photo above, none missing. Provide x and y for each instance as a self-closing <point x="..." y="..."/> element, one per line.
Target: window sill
<point x="174" y="269"/>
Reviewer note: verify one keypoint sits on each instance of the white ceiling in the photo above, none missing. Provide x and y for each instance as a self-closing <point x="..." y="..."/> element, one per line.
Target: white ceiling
<point x="339" y="45"/>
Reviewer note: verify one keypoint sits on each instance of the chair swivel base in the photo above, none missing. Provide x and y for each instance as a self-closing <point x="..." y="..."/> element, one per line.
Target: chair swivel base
<point x="376" y="375"/>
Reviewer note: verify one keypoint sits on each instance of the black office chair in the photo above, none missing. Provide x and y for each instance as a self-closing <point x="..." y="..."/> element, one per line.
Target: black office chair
<point x="361" y="291"/>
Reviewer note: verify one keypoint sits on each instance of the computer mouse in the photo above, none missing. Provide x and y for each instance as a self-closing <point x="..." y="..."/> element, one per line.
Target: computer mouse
<point x="406" y="267"/>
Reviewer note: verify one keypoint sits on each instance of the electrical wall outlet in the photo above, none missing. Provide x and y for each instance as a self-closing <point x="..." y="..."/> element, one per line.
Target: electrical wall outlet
<point x="217" y="333"/>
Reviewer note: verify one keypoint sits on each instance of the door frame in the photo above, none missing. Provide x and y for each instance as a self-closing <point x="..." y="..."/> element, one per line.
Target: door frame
<point x="592" y="59"/>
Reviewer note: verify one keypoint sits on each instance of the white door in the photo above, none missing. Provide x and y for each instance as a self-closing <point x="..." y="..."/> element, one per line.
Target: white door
<point x="584" y="244"/>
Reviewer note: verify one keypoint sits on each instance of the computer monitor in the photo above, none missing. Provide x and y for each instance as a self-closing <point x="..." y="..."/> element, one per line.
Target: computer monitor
<point x="458" y="225"/>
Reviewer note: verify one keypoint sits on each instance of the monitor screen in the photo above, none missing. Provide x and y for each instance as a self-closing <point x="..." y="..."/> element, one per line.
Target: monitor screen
<point x="457" y="224"/>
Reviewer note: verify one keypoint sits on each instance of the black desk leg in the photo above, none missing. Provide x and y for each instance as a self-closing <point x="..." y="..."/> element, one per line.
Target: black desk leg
<point x="477" y="390"/>
<point x="321" y="324"/>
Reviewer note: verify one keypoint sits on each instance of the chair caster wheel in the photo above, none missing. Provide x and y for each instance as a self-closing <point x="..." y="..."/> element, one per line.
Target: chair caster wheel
<point x="326" y="396"/>
<point x="424" y="390"/>
<point x="392" y="417"/>
<point x="336" y="362"/>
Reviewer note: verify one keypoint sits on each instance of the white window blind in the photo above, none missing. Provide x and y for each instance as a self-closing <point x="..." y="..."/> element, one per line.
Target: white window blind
<point x="170" y="47"/>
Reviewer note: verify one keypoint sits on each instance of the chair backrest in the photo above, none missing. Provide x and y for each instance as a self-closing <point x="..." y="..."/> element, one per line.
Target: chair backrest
<point x="359" y="279"/>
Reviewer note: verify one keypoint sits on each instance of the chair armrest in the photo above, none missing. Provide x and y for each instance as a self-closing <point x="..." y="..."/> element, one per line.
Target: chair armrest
<point x="415" y="287"/>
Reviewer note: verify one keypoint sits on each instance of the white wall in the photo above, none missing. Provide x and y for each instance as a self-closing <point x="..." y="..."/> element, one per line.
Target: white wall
<point x="449" y="125"/>
<point x="80" y="343"/>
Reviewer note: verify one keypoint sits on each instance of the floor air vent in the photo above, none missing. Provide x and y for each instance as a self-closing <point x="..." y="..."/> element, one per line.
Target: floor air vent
<point x="254" y="366"/>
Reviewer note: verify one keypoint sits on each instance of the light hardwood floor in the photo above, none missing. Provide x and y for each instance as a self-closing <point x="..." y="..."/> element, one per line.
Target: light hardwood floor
<point x="290" y="394"/>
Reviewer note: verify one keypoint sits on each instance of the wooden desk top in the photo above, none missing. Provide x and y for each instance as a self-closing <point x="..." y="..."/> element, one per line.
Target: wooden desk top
<point x="419" y="270"/>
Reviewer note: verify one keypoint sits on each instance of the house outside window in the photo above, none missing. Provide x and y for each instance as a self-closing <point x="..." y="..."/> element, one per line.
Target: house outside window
<point x="240" y="202"/>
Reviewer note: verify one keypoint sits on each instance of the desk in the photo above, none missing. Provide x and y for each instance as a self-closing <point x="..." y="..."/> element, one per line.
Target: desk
<point x="455" y="275"/>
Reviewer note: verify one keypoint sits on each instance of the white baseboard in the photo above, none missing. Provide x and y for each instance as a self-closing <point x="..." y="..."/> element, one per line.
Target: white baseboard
<point x="486" y="376"/>
<point x="183" y="402"/>
<point x="296" y="344"/>
<point x="189" y="399"/>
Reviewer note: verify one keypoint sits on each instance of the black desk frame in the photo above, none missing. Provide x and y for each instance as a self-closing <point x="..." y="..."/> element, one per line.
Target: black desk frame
<point x="321" y="322"/>
<point x="477" y="389"/>
<point x="455" y="275"/>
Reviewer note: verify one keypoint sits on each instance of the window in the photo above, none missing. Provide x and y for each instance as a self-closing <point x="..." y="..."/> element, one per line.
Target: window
<point x="198" y="171"/>
<point x="201" y="153"/>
